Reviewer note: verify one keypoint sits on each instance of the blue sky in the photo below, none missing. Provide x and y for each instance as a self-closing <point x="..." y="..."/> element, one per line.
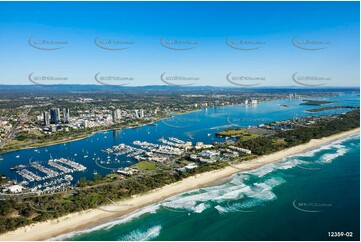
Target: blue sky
<point x="335" y="25"/>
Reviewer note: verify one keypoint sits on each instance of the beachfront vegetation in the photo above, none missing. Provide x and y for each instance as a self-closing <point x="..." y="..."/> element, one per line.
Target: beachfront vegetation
<point x="300" y="134"/>
<point x="17" y="211"/>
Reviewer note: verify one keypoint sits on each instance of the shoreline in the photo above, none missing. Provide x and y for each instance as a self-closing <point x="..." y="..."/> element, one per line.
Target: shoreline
<point x="93" y="217"/>
<point x="95" y="132"/>
<point x="76" y="139"/>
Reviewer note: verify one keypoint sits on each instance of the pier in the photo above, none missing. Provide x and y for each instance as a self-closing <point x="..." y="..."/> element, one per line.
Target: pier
<point x="58" y="164"/>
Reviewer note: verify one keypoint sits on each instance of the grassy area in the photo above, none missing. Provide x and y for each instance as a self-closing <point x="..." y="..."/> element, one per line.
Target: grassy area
<point x="145" y="166"/>
<point x="99" y="191"/>
<point x="242" y="134"/>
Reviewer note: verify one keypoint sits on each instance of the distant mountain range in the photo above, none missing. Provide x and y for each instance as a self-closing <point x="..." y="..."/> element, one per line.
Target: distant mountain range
<point x="6" y="90"/>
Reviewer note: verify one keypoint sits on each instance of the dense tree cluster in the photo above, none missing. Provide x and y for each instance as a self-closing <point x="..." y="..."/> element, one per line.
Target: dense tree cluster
<point x="301" y="134"/>
<point x="20" y="211"/>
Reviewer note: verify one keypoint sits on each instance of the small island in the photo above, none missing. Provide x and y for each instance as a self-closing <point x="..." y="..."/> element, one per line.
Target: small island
<point x="315" y="110"/>
<point x="315" y="102"/>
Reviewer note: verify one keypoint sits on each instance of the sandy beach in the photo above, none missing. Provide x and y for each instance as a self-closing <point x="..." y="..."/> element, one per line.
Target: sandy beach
<point x="92" y="217"/>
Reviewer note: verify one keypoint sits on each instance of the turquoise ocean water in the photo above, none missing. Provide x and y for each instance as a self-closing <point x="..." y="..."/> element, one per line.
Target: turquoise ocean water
<point x="303" y="197"/>
<point x="195" y="126"/>
<point x="300" y="198"/>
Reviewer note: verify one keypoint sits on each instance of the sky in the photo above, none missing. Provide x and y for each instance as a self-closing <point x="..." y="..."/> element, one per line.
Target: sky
<point x="180" y="43"/>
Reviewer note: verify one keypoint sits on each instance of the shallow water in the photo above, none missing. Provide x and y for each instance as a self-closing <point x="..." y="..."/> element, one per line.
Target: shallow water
<point x="303" y="197"/>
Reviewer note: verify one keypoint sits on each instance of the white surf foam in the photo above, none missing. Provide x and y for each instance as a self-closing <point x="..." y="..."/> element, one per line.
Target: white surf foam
<point x="328" y="158"/>
<point x="124" y="219"/>
<point x="235" y="190"/>
<point x="139" y="235"/>
<point x="294" y="160"/>
<point x="200" y="208"/>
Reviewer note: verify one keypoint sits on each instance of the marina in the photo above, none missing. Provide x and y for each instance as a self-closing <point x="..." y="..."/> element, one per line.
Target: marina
<point x="49" y="173"/>
<point x="51" y="176"/>
<point x="127" y="147"/>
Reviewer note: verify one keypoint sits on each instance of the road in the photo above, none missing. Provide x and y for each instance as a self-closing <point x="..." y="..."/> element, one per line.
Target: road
<point x="22" y="117"/>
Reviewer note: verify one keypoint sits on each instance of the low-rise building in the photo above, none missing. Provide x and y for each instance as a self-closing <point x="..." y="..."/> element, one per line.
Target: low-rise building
<point x="14" y="189"/>
<point x="240" y="149"/>
<point x="201" y="145"/>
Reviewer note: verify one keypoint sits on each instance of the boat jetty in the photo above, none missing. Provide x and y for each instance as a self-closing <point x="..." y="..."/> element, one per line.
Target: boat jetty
<point x="58" y="164"/>
<point x="150" y="151"/>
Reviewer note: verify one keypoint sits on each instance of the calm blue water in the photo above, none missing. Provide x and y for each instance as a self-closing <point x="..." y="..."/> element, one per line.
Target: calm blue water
<point x="195" y="126"/>
<point x="302" y="197"/>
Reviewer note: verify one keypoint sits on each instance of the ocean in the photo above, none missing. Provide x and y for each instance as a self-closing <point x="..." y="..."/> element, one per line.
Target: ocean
<point x="303" y="197"/>
<point x="195" y="126"/>
<point x="308" y="196"/>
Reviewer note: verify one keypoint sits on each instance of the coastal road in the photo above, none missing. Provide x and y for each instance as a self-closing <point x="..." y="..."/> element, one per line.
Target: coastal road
<point x="22" y="117"/>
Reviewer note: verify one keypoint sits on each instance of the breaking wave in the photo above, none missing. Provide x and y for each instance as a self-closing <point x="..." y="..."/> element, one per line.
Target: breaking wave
<point x="331" y="151"/>
<point x="122" y="220"/>
<point x="244" y="191"/>
<point x="141" y="235"/>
